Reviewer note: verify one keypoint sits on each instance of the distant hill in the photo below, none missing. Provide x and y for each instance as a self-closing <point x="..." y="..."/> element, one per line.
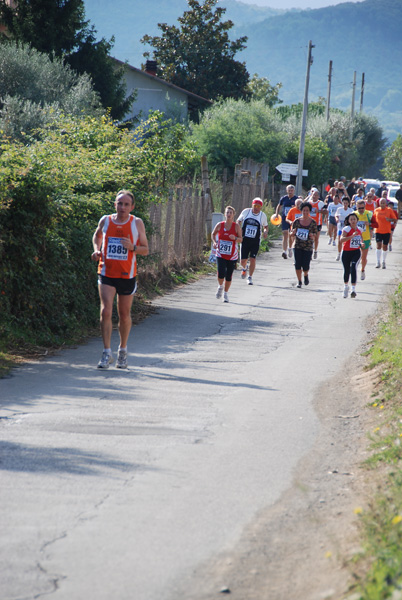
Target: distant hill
<point x="363" y="37"/>
<point x="130" y="20"/>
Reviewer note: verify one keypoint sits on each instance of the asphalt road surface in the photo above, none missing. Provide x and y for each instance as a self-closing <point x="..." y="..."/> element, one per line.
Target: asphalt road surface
<point x="122" y="484"/>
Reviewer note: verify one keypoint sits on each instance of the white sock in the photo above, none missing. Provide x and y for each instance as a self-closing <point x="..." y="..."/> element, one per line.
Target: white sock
<point x="353" y="288"/>
<point x="378" y="252"/>
<point x="107" y="350"/>
<point x="346" y="286"/>
<point x="384" y="255"/>
<point x="124" y="349"/>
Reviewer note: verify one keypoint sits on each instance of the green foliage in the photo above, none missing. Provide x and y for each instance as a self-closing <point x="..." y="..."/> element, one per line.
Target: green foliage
<point x="317" y="159"/>
<point x="393" y="160"/>
<point x="59" y="29"/>
<point x="49" y="26"/>
<point x="35" y="90"/>
<point x="199" y="56"/>
<point x="233" y="129"/>
<point x="52" y="193"/>
<point x="260" y="88"/>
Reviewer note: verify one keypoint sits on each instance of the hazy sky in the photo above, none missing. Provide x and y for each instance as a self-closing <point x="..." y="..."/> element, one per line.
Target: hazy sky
<point x="296" y="3"/>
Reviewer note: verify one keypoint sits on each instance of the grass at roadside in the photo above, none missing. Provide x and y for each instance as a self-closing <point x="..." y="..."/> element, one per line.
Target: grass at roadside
<point x="381" y="521"/>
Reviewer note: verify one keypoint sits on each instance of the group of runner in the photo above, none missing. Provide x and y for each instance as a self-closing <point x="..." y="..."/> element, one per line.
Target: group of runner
<point x="121" y="236"/>
<point x="352" y="225"/>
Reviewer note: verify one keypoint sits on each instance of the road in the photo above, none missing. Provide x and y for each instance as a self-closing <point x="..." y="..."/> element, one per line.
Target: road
<point x="123" y="484"/>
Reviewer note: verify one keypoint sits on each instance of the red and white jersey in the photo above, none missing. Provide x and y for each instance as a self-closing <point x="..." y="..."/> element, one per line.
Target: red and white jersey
<point x="353" y="243"/>
<point x="227" y="248"/>
<point x="116" y="261"/>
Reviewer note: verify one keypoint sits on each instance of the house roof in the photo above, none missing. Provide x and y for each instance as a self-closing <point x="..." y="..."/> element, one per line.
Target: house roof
<point x="192" y="96"/>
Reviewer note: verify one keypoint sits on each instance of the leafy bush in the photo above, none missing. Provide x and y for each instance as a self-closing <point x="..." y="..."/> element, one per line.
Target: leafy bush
<point x="53" y="191"/>
<point x="233" y="129"/>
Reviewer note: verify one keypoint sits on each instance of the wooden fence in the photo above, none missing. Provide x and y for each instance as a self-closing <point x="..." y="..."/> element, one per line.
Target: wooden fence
<point x="180" y="227"/>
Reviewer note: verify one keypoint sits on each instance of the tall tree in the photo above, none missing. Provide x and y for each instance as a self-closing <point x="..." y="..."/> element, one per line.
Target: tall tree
<point x="58" y="27"/>
<point x="198" y="55"/>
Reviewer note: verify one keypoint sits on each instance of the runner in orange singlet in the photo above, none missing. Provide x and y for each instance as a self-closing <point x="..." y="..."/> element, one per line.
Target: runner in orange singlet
<point x="116" y="242"/>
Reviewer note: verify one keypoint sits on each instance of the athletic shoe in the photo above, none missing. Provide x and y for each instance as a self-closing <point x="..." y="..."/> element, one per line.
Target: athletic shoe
<point x="333" y="243"/>
<point x="306" y="280"/>
<point x="284" y="255"/>
<point x="363" y="276"/>
<point x="346" y="291"/>
<point x="219" y="292"/>
<point x="329" y="242"/>
<point x="384" y="266"/>
<point x="353" y="294"/>
<point x="249" y="280"/>
<point x="315" y="254"/>
<point x="106" y="360"/>
<point x="122" y="359"/>
<point x="243" y="273"/>
<point x="290" y="252"/>
<point x="378" y="266"/>
<point x="299" y="284"/>
<point x="390" y="247"/>
<point x="225" y="297"/>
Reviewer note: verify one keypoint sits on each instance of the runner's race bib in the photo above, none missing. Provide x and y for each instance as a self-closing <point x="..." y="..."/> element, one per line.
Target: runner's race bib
<point x="116" y="250"/>
<point x="302" y="234"/>
<point x="355" y="242"/>
<point x="251" y="231"/>
<point x="362" y="225"/>
<point x="225" y="247"/>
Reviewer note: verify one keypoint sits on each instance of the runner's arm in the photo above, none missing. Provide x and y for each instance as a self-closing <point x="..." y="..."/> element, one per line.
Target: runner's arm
<point x="97" y="241"/>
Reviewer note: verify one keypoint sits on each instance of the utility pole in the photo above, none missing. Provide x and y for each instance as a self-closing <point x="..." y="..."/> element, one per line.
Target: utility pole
<point x="329" y="88"/>
<point x="352" y="112"/>
<point x="304" y="122"/>
<point x="362" y="94"/>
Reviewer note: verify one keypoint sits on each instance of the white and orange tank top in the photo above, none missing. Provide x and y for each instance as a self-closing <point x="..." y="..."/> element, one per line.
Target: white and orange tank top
<point x="227" y="248"/>
<point x="116" y="261"/>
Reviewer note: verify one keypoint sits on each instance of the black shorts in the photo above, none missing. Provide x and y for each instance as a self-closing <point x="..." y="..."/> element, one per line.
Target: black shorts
<point x="225" y="268"/>
<point x="124" y="287"/>
<point x="249" y="248"/>
<point x="382" y="238"/>
<point x="332" y="220"/>
<point x="302" y="259"/>
<point x="319" y="227"/>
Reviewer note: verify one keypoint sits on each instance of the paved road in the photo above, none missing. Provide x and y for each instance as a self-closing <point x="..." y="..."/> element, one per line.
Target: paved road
<point x="119" y="484"/>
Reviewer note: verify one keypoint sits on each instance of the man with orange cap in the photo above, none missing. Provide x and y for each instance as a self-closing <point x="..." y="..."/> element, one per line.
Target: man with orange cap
<point x="254" y="223"/>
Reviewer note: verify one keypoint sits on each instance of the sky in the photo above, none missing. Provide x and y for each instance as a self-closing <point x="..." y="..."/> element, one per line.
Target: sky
<point x="296" y="3"/>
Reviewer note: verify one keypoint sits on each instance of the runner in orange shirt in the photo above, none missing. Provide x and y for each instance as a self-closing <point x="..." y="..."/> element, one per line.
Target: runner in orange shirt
<point x="293" y="214"/>
<point x="117" y="241"/>
<point x="384" y="217"/>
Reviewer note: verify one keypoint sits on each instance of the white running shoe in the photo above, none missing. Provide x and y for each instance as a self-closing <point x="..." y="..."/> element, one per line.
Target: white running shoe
<point x="378" y="266"/>
<point x="315" y="254"/>
<point x="225" y="297"/>
<point x="329" y="242"/>
<point x="346" y="291"/>
<point x="243" y="273"/>
<point x="390" y="247"/>
<point x="333" y="243"/>
<point x="363" y="276"/>
<point x="290" y="252"/>
<point x="122" y="359"/>
<point x="338" y="257"/>
<point x="384" y="266"/>
<point x="249" y="280"/>
<point x="219" y="292"/>
<point x="106" y="360"/>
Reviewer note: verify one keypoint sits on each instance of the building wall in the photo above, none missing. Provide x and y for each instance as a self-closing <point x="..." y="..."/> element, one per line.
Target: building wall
<point x="153" y="94"/>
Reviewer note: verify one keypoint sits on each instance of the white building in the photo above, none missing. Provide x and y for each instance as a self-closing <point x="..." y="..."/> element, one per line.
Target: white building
<point x="154" y="93"/>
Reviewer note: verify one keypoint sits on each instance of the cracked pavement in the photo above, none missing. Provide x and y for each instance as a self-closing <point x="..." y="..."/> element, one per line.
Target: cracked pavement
<point x="121" y="484"/>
